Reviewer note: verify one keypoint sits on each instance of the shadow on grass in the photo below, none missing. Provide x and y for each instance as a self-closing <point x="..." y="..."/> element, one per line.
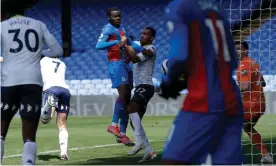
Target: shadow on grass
<point x="251" y="156"/>
<point x="121" y="160"/>
<point x="47" y="157"/>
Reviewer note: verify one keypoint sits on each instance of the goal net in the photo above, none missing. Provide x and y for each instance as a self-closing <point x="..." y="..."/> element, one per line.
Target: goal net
<point x="254" y="21"/>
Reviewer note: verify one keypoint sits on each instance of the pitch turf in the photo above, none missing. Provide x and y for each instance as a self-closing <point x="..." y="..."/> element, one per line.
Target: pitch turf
<point x="87" y="132"/>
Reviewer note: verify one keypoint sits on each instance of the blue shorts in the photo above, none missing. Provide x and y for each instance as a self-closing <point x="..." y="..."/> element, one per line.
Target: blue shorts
<point x="61" y="98"/>
<point x="120" y="73"/>
<point x="195" y="135"/>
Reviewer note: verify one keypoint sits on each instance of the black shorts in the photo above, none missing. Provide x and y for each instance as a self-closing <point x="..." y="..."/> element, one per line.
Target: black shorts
<point x="142" y="95"/>
<point x="25" y="98"/>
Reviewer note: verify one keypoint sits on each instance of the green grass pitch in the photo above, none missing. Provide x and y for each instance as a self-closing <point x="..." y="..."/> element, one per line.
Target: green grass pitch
<point x="85" y="133"/>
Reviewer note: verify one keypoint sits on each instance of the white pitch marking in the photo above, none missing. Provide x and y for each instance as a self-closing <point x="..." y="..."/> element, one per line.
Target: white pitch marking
<point x="74" y="149"/>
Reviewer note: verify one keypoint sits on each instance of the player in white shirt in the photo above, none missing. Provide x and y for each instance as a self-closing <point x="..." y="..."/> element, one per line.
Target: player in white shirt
<point x="144" y="90"/>
<point x="56" y="98"/>
<point x="22" y="39"/>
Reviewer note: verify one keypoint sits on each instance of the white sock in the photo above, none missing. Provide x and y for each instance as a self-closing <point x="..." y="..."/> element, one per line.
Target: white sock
<point x="2" y="148"/>
<point x="136" y="121"/>
<point x="63" y="140"/>
<point x="122" y="133"/>
<point x="146" y="143"/>
<point x="114" y="124"/>
<point x="29" y="153"/>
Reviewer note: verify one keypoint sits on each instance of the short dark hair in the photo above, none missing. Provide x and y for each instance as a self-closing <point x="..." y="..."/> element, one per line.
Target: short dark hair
<point x="109" y="10"/>
<point x="243" y="43"/>
<point x="152" y="31"/>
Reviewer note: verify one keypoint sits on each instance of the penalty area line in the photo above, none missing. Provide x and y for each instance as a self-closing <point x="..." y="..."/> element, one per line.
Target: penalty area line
<point x="74" y="149"/>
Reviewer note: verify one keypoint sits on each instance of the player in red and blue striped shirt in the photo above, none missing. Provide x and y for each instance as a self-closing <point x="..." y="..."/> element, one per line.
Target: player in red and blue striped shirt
<point x="210" y="120"/>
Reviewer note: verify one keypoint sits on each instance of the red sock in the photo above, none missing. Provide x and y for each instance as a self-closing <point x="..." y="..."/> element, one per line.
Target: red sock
<point x="257" y="140"/>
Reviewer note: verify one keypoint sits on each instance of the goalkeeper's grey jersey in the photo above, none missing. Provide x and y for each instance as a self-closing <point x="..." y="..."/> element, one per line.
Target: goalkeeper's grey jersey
<point x="22" y="39"/>
<point x="143" y="70"/>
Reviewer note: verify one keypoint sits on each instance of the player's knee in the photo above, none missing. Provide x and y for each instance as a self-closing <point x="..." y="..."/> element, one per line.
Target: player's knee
<point x="28" y="140"/>
<point x="247" y="128"/>
<point x="133" y="107"/>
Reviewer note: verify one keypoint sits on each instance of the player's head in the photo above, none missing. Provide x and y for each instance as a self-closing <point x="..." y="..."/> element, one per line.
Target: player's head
<point x="9" y="8"/>
<point x="114" y="16"/>
<point x="242" y="48"/>
<point x="147" y="35"/>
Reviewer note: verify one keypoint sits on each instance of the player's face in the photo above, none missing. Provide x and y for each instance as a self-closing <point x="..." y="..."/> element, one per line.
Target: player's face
<point x="115" y="18"/>
<point x="241" y="51"/>
<point x="146" y="37"/>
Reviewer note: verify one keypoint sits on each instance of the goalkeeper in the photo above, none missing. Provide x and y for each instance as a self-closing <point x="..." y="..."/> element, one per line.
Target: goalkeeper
<point x="251" y="84"/>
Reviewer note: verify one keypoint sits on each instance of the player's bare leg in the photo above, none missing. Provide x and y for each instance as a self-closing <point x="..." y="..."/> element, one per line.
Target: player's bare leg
<point x="4" y="130"/>
<point x="63" y="135"/>
<point x="256" y="138"/>
<point x="6" y="118"/>
<point x="29" y="129"/>
<point x="124" y="95"/>
<point x="141" y="140"/>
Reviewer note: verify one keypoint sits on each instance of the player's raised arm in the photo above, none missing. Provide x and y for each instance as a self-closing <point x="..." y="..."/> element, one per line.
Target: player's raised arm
<point x="139" y="57"/>
<point x="54" y="48"/>
<point x="178" y="52"/>
<point x="102" y="43"/>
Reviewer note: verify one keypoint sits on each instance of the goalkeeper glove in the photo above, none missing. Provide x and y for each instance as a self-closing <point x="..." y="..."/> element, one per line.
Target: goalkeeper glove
<point x="168" y="91"/>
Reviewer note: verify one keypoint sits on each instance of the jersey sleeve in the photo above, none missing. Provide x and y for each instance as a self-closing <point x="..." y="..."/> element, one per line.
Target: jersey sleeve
<point x="178" y="51"/>
<point x="103" y="42"/>
<point x="48" y="38"/>
<point x="54" y="48"/>
<point x="142" y="57"/>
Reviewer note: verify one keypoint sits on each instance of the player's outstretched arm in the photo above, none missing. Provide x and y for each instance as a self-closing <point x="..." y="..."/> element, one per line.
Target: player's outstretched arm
<point x="132" y="54"/>
<point x="54" y="48"/>
<point x="102" y="43"/>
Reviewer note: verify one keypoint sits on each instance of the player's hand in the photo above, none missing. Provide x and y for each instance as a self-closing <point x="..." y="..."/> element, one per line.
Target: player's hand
<point x="124" y="39"/>
<point x="123" y="42"/>
<point x="130" y="50"/>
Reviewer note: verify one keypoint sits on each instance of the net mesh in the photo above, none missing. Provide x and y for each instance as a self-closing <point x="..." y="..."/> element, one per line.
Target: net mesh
<point x="255" y="22"/>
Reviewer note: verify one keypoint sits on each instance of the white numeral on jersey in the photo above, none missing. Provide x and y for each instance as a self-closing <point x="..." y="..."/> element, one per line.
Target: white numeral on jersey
<point x="220" y="26"/>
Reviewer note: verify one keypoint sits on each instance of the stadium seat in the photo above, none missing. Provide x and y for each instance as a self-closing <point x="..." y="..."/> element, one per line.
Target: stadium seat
<point x="73" y="92"/>
<point x="78" y="86"/>
<point x="89" y="86"/>
<point x="114" y="91"/>
<point x="96" y="81"/>
<point x="105" y="91"/>
<point x="106" y="81"/>
<point x="75" y="82"/>
<point x="100" y="86"/>
<point x="108" y="86"/>
<point x="83" y="92"/>
<point x="84" y="82"/>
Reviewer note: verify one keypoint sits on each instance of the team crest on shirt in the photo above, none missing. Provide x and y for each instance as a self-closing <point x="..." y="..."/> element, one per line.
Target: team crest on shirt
<point x="101" y="37"/>
<point x="244" y="72"/>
